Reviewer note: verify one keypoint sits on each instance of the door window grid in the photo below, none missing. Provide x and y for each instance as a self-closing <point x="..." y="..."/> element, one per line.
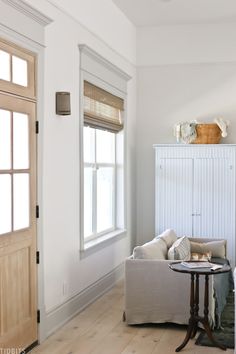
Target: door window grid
<point x="13" y="69"/>
<point x="14" y="182"/>
<point x="17" y="69"/>
<point x="99" y="183"/>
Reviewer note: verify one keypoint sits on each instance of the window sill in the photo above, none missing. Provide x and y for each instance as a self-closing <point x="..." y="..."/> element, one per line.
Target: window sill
<point x="100" y="242"/>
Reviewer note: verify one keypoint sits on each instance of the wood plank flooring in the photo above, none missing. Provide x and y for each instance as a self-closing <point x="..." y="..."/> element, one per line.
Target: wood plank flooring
<point x="99" y="330"/>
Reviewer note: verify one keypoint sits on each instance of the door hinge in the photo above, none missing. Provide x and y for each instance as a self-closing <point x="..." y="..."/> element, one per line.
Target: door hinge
<point x="37" y="127"/>
<point x="37" y="211"/>
<point x="37" y="257"/>
<point x="38" y="316"/>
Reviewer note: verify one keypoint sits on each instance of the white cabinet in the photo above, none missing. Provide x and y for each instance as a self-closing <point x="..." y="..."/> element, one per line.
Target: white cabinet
<point x="195" y="191"/>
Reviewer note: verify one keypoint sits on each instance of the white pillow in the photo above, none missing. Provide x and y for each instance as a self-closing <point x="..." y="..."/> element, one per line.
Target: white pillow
<point x="169" y="236"/>
<point x="180" y="249"/>
<point x="155" y="249"/>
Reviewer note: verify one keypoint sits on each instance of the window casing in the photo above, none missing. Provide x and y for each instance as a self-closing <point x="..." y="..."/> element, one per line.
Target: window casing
<point x="101" y="73"/>
<point x="103" y="177"/>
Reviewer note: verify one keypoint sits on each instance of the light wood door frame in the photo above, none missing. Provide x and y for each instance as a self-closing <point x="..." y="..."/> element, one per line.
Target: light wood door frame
<point x="18" y="253"/>
<point x="21" y="242"/>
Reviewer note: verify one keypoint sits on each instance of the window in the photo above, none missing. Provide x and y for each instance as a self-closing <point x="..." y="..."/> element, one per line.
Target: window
<point x="103" y="209"/>
<point x="99" y="182"/>
<point x="102" y="153"/>
<point x="17" y="70"/>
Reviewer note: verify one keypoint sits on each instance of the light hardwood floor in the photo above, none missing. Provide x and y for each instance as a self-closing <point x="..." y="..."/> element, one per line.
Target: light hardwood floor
<point x="99" y="330"/>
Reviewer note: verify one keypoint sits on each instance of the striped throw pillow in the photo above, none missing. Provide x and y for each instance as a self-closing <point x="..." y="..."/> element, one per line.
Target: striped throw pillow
<point x="180" y="250"/>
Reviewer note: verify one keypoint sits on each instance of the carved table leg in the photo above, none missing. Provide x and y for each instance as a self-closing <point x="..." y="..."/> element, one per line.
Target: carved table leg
<point x="196" y="306"/>
<point x="191" y="325"/>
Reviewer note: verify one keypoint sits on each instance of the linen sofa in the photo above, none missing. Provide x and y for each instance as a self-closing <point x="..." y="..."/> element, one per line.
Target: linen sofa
<point x="156" y="294"/>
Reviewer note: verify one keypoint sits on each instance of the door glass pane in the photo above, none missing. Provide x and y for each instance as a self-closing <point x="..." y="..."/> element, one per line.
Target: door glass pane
<point x="89" y="142"/>
<point x="5" y="139"/>
<point x="5" y="203"/>
<point x="104" y="198"/>
<point x="105" y="146"/>
<point x="88" y="201"/>
<point x="20" y="140"/>
<point x="19" y="71"/>
<point x="21" y="201"/>
<point x="5" y="73"/>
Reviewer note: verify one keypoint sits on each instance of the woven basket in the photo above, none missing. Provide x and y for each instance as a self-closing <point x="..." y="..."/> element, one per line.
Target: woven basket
<point x="207" y="134"/>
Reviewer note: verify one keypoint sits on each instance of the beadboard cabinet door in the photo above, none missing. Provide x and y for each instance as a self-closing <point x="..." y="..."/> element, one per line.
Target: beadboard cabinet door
<point x="195" y="191"/>
<point x="212" y="199"/>
<point x="174" y="190"/>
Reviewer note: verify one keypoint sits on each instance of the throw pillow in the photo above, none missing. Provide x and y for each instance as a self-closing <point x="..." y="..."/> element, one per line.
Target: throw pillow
<point x="155" y="249"/>
<point x="201" y="256"/>
<point x="217" y="248"/>
<point x="180" y="249"/>
<point x="169" y="236"/>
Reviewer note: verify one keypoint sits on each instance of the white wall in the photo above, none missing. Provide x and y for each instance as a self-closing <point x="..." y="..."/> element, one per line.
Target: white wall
<point x="61" y="165"/>
<point x="106" y="22"/>
<point x="205" y="43"/>
<point x="59" y="147"/>
<point x="199" y="83"/>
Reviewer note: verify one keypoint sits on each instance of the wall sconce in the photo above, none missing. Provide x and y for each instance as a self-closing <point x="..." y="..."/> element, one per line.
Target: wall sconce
<point x="63" y="103"/>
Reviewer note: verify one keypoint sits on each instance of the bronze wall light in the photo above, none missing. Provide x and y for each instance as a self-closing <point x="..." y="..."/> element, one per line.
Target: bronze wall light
<point x="63" y="103"/>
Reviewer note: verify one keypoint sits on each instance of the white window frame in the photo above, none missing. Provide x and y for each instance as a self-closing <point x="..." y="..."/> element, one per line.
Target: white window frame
<point x="102" y="73"/>
<point x="95" y="167"/>
<point x="87" y="243"/>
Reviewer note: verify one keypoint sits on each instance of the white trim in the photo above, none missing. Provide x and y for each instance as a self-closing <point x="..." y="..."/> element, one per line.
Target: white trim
<point x="29" y="11"/>
<point x="81" y="162"/>
<point x="107" y="64"/>
<point x="101" y="69"/>
<point x="16" y="37"/>
<point x="88" y="245"/>
<point x="193" y="145"/>
<point x="58" y="316"/>
<point x="108" y="86"/>
<point x="40" y="221"/>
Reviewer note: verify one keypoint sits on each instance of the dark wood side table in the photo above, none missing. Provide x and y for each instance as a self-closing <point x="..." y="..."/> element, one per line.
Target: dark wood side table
<point x="194" y="301"/>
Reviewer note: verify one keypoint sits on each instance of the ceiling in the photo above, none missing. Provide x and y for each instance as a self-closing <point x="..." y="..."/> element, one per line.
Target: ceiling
<point x="173" y="12"/>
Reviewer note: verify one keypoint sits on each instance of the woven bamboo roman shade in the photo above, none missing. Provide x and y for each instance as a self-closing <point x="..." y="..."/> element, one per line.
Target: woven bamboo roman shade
<point x="102" y="110"/>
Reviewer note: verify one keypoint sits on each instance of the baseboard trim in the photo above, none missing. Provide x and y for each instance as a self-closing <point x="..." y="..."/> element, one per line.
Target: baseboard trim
<point x="63" y="313"/>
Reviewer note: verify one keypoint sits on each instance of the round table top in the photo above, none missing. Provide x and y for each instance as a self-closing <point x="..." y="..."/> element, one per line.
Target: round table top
<point x="179" y="267"/>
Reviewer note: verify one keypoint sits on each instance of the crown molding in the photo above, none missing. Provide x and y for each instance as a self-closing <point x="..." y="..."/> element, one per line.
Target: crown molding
<point x="87" y="50"/>
<point x="29" y="11"/>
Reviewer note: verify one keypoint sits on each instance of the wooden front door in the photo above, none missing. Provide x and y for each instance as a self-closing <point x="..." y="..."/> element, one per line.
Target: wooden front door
<point x="18" y="286"/>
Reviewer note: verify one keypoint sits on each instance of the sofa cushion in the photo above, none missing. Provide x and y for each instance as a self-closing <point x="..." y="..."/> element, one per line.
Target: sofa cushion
<point x="180" y="249"/>
<point x="169" y="236"/>
<point x="155" y="249"/>
<point x="217" y="248"/>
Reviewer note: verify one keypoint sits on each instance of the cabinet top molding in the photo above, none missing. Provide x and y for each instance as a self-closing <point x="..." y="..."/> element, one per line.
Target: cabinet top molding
<point x="193" y="145"/>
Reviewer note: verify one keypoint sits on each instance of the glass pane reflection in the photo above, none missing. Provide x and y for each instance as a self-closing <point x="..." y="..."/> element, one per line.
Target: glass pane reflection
<point x="5" y="203"/>
<point x="21" y="201"/>
<point x="5" y="139"/>
<point x="19" y="71"/>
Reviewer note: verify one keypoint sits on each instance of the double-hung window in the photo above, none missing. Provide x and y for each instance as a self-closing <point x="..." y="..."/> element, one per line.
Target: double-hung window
<point x="103" y="157"/>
